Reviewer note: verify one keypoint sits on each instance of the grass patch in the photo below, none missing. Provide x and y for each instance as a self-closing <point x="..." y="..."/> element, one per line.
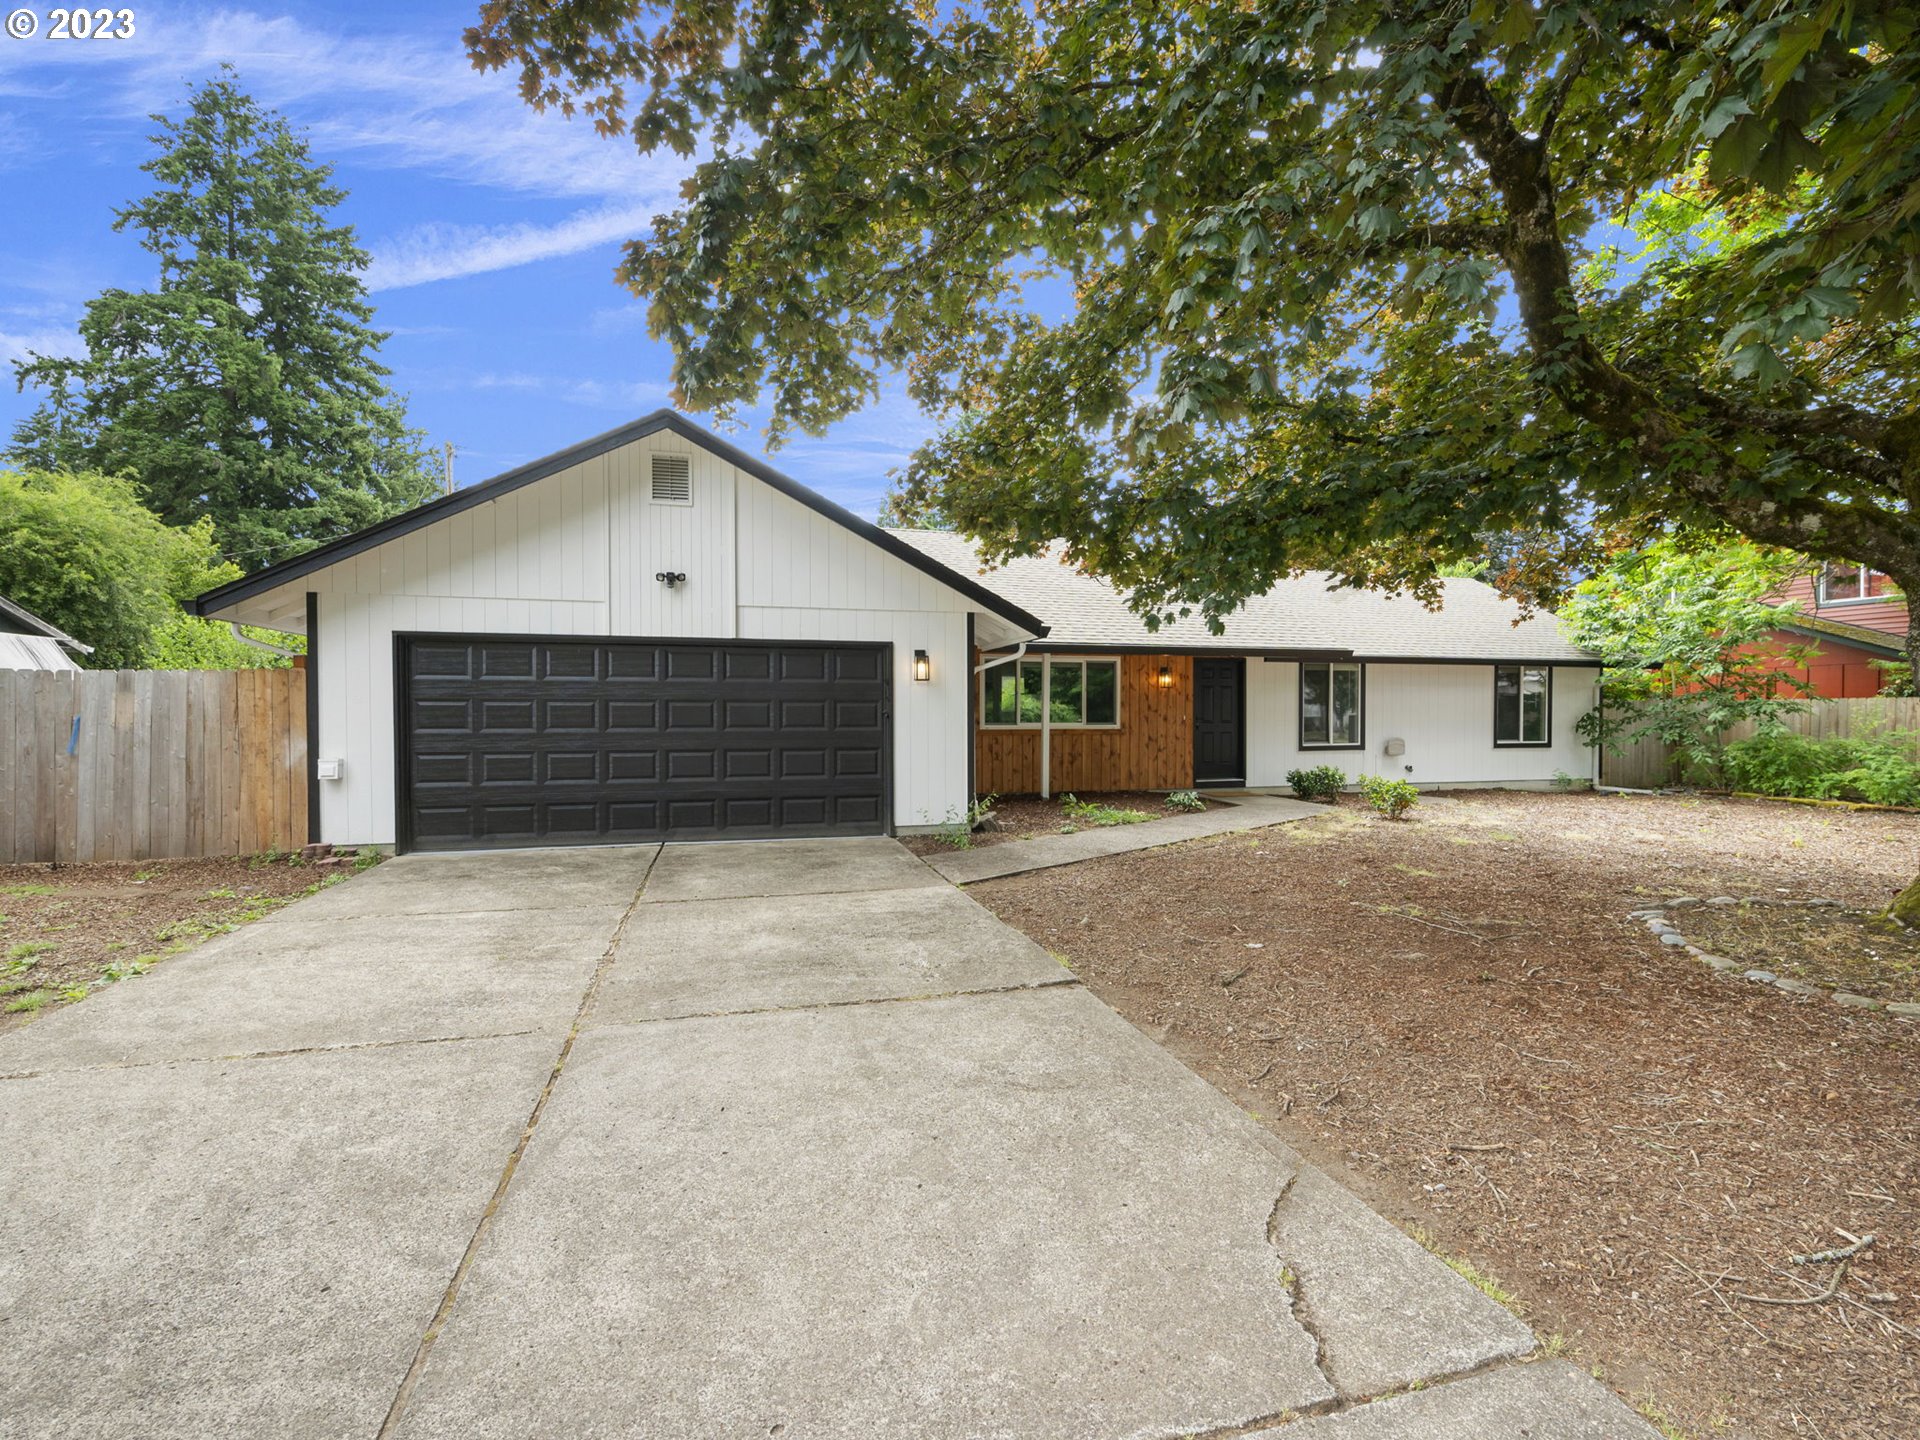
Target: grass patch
<point x="30" y="1002"/>
<point x="1486" y="1284"/>
<point x="29" y="890"/>
<point x="28" y="949"/>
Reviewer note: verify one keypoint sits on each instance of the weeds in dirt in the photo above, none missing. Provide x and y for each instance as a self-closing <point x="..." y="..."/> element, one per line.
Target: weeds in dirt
<point x="1083" y="812"/>
<point x="28" y="949"/>
<point x="29" y="1003"/>
<point x="1185" y="800"/>
<point x="29" y="890"/>
<point x="1486" y="1284"/>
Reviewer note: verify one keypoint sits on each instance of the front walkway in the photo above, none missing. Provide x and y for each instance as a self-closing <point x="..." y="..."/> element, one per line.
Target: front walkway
<point x="1242" y="810"/>
<point x="706" y="1141"/>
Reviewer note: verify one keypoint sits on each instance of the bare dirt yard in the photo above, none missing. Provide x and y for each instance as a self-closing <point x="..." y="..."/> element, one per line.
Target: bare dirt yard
<point x="1021" y="817"/>
<point x="1455" y="1014"/>
<point x="65" y="931"/>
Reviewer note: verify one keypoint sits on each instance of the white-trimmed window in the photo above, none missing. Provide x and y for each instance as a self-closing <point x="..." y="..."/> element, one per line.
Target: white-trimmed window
<point x="1522" y="705"/>
<point x="1333" y="700"/>
<point x="1080" y="693"/>
<point x="1852" y="584"/>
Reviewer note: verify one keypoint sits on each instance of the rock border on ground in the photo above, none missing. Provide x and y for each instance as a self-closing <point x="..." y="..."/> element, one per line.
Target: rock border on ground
<point x="1656" y="919"/>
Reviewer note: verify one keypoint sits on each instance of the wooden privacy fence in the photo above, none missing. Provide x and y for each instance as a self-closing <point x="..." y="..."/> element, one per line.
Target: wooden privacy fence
<point x="1648" y="763"/>
<point x="148" y="764"/>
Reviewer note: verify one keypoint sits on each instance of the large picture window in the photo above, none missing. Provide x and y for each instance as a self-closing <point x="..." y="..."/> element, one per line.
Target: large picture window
<point x="1332" y="702"/>
<point x="1522" y="705"/>
<point x="1078" y="693"/>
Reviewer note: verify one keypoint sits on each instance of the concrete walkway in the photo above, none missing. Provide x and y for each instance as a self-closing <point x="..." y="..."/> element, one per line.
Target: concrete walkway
<point x="1248" y="810"/>
<point x="712" y="1141"/>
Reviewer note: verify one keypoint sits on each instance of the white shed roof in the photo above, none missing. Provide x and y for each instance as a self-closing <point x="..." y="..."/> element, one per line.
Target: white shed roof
<point x="33" y="652"/>
<point x="1305" y="613"/>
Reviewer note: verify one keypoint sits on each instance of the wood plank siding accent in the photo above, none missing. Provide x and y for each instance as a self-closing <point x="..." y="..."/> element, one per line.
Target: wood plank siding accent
<point x="1151" y="750"/>
<point x="1887" y="614"/>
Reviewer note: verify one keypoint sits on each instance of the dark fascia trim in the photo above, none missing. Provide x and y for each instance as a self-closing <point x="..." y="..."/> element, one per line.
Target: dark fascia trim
<point x="1217" y="652"/>
<point x="1593" y="664"/>
<point x="1858" y="636"/>
<point x="669" y="421"/>
<point x="36" y="626"/>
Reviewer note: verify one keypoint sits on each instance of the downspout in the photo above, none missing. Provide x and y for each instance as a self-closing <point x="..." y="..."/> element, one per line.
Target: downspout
<point x="245" y="639"/>
<point x="987" y="662"/>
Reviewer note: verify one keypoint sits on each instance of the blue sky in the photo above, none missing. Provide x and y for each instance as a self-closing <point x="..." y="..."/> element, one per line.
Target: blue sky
<point x="494" y="231"/>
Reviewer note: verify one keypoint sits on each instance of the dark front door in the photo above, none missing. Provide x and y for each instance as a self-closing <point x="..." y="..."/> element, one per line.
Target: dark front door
<point x="1219" y="748"/>
<point x="514" y="741"/>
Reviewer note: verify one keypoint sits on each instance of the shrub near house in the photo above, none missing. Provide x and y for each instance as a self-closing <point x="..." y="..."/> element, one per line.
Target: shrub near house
<point x="1878" y="769"/>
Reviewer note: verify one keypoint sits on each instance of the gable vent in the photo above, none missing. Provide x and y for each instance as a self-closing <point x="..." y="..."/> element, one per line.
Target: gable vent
<point x="672" y="480"/>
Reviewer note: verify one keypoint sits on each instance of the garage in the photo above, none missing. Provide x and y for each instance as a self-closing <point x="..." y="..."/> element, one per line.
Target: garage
<point x="513" y="741"/>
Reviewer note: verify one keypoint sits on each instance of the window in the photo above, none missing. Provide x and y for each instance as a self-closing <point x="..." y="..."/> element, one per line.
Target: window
<point x="1522" y="705"/>
<point x="1331" y="700"/>
<point x="1079" y="692"/>
<point x="1845" y="584"/>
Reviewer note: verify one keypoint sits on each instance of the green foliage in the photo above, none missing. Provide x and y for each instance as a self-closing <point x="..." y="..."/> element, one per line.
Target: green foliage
<point x="1876" y="768"/>
<point x="187" y="642"/>
<point x="1317" y="284"/>
<point x="956" y="834"/>
<point x="30" y="1002"/>
<point x="1322" y="782"/>
<point x="244" y="387"/>
<point x="1185" y="800"/>
<point x="1565" y="781"/>
<point x="1086" y="812"/>
<point x="82" y="552"/>
<point x="1389" y="797"/>
<point x="1676" y="623"/>
<point x="27" y="950"/>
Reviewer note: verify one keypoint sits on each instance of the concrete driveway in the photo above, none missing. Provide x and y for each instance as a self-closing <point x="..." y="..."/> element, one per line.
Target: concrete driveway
<point x="786" y="1140"/>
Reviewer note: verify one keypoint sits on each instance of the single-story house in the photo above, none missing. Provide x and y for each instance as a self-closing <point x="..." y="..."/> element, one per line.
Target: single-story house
<point x="655" y="635"/>
<point x="29" y="643"/>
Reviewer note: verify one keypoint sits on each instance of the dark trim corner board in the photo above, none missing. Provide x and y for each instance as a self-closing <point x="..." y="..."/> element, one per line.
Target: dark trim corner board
<point x="313" y="718"/>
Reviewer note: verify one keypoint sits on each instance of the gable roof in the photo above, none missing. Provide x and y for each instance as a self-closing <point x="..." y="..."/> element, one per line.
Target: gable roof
<point x="1306" y="615"/>
<point x="660" y="421"/>
<point x="19" y="620"/>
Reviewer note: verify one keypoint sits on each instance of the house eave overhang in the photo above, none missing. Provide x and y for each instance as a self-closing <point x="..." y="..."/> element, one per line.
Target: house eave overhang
<point x="661" y="421"/>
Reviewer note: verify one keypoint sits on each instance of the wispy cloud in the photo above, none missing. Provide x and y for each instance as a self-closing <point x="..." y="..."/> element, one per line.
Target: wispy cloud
<point x="20" y="345"/>
<point x="445" y="252"/>
<point x="398" y="103"/>
<point x="623" y="395"/>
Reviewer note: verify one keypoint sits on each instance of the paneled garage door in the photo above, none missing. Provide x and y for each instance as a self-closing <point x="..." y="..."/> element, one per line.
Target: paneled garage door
<point x="572" y="742"/>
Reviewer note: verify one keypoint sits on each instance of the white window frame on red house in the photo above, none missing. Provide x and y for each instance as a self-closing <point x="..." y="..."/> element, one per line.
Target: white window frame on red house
<point x="1863" y="577"/>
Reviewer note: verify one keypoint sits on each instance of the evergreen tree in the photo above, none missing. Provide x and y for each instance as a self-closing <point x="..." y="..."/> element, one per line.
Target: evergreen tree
<point x="245" y="387"/>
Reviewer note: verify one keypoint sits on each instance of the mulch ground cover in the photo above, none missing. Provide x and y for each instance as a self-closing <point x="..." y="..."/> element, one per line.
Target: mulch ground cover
<point x="65" y="931"/>
<point x="1455" y="1015"/>
<point x="1021" y="817"/>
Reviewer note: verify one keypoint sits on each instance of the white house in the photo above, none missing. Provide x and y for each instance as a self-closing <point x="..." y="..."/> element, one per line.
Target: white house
<point x="653" y="634"/>
<point x="29" y="643"/>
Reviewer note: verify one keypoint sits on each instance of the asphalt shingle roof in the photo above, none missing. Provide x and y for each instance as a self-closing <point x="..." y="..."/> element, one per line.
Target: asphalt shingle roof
<point x="1475" y="622"/>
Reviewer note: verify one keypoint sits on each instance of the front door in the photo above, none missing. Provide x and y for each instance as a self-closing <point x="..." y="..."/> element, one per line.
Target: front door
<point x="1219" y="749"/>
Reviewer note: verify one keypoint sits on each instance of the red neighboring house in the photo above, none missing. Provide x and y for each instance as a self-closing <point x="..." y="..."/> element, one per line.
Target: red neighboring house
<point x="1855" y="616"/>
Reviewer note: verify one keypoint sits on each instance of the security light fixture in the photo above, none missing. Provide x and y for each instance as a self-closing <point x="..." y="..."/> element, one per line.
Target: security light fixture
<point x="922" y="667"/>
<point x="671" y="578"/>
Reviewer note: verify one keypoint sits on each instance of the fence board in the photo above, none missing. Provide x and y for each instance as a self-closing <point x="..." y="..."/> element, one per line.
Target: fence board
<point x="170" y="763"/>
<point x="1647" y="764"/>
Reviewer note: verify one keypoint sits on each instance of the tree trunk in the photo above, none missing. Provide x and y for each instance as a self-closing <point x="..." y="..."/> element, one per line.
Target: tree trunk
<point x="1906" y="905"/>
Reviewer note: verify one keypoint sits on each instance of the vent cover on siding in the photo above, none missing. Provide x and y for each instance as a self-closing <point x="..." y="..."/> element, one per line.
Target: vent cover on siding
<point x="672" y="480"/>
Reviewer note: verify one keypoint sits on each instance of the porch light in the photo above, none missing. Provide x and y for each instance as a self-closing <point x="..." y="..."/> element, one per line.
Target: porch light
<point x="922" y="667"/>
<point x="1166" y="677"/>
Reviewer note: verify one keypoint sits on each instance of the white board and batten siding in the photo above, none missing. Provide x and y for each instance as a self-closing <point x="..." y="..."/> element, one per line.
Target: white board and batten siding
<point x="576" y="553"/>
<point x="1444" y="714"/>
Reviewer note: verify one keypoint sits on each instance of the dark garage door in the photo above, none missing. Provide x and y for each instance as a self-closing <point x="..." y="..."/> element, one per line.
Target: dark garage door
<point x="571" y="742"/>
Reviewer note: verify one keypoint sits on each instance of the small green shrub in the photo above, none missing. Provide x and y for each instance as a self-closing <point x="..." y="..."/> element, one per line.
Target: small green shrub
<point x="957" y="833"/>
<point x="1564" y="781"/>
<point x="1185" y="800"/>
<point x="1322" y="782"/>
<point x="1391" y="798"/>
<point x="1085" y="812"/>
<point x="1877" y="768"/>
